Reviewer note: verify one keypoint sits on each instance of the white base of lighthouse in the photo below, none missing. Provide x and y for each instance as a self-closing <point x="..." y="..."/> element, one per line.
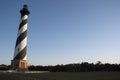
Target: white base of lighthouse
<point x="19" y="65"/>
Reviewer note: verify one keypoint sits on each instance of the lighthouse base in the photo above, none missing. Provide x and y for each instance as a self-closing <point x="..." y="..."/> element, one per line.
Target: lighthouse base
<point x="19" y="65"/>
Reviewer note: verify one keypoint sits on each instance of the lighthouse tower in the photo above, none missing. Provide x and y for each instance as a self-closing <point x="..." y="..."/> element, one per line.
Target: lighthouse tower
<point x="19" y="61"/>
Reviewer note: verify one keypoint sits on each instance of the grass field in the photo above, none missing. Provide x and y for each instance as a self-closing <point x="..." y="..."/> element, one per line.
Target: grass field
<point x="62" y="76"/>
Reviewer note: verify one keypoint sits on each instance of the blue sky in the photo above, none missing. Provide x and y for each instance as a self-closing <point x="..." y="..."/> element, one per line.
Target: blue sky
<point x="63" y="31"/>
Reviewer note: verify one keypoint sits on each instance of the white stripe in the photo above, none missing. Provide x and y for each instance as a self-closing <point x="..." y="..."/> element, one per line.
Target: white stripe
<point x="24" y="28"/>
<point x="20" y="46"/>
<point x="24" y="17"/>
<point x="25" y="58"/>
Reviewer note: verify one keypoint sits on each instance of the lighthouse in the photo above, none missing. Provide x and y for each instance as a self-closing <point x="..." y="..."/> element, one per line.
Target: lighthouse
<point x="19" y="61"/>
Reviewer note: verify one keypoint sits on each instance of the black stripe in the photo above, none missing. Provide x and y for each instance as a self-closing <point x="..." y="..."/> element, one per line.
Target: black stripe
<point x="21" y="54"/>
<point x="21" y="37"/>
<point x="22" y="23"/>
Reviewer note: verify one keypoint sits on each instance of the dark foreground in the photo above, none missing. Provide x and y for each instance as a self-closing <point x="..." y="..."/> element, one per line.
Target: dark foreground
<point x="62" y="76"/>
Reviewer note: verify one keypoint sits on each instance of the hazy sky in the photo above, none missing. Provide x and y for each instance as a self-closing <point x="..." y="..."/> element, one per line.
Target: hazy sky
<point x="63" y="31"/>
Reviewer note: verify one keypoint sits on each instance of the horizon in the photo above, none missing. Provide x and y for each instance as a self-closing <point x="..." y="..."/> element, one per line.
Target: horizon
<point x="98" y="62"/>
<point x="63" y="31"/>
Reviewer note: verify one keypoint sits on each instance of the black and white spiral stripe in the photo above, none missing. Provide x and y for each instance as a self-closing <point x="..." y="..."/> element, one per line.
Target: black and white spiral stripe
<point x="21" y="42"/>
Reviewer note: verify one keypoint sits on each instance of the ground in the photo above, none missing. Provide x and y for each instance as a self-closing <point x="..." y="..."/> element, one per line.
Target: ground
<point x="62" y="76"/>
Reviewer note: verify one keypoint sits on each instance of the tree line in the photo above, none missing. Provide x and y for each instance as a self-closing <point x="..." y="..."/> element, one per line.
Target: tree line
<point x="4" y="67"/>
<point x="74" y="67"/>
<point x="78" y="67"/>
